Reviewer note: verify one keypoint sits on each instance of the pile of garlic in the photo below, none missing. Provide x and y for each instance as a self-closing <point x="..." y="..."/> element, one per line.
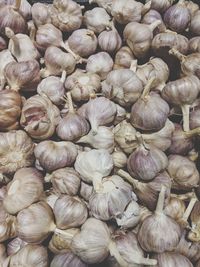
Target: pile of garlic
<point x="100" y="133"/>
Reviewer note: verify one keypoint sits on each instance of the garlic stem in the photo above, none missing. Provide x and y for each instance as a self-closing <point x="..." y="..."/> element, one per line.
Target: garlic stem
<point x="139" y="139"/>
<point x="186" y="114"/>
<point x="133" y="66"/>
<point x="97" y="182"/>
<point x="32" y="33"/>
<point x="147" y="88"/>
<point x="189" y="209"/>
<point x="161" y="200"/>
<point x="48" y="178"/>
<point x="154" y="24"/>
<point x="146" y="8"/>
<point x="115" y="253"/>
<point x="64" y="233"/>
<point x="17" y="4"/>
<point x="63" y="76"/>
<point x="10" y="34"/>
<point x="177" y="54"/>
<point x="44" y="73"/>
<point x="185" y="196"/>
<point x="135" y="183"/>
<point x="193" y="132"/>
<point x="77" y="57"/>
<point x="145" y="261"/>
<point x="70" y="102"/>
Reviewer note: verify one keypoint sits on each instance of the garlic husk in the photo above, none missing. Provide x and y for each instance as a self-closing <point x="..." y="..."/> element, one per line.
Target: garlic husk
<point x="171" y="259"/>
<point x="21" y="46"/>
<point x="151" y="16"/>
<point x="61" y="240"/>
<point x="159" y="232"/>
<point x="5" y="58"/>
<point x="83" y="42"/>
<point x="25" y="188"/>
<point x="93" y="165"/>
<point x="30" y="256"/>
<point x="67" y="259"/>
<point x="177" y="17"/>
<point x="40" y="14"/>
<point x="175" y="208"/>
<point x="82" y="84"/>
<point x="160" y="5"/>
<point x="111" y="199"/>
<point x="66" y="15"/>
<point x="100" y="63"/>
<point x="53" y="88"/>
<point x="194" y="44"/>
<point x="104" y="139"/>
<point x="140" y="41"/>
<point x="39" y="117"/>
<point x="86" y="191"/>
<point x="194" y="24"/>
<point x="96" y="19"/>
<point x="55" y="155"/>
<point x="35" y="223"/>
<point x="15" y="245"/>
<point x="123" y="86"/>
<point x="147" y="193"/>
<point x="10" y="109"/>
<point x="99" y="112"/>
<point x="183" y="172"/>
<point x="26" y="82"/>
<point x="16" y="151"/>
<point x="123" y="58"/>
<point x="64" y="181"/>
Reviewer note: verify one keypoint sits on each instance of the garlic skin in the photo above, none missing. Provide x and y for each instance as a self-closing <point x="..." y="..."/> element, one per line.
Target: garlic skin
<point x="158" y="232"/>
<point x="175" y="208"/>
<point x="96" y="19"/>
<point x="123" y="58"/>
<point x="5" y="58"/>
<point x="92" y="241"/>
<point x="10" y="109"/>
<point x="194" y="24"/>
<point x="83" y="42"/>
<point x="99" y="112"/>
<point x="30" y="255"/>
<point x="119" y="159"/>
<point x="25" y="188"/>
<point x="146" y="162"/>
<point x="160" y="5"/>
<point x="93" y="165"/>
<point x="100" y="63"/>
<point x="82" y="84"/>
<point x="177" y="17"/>
<point x="40" y="14"/>
<point x="53" y="88"/>
<point x="26" y="82"/>
<point x="66" y="15"/>
<point x="139" y="41"/>
<point x="110" y="41"/>
<point x="35" y="223"/>
<point x="194" y="44"/>
<point x="15" y="245"/>
<point x="57" y="61"/>
<point x="122" y="86"/>
<point x="111" y="199"/>
<point x="67" y="259"/>
<point x="86" y="191"/>
<point x="16" y="151"/>
<point x="104" y="139"/>
<point x="183" y="172"/>
<point x="39" y="117"/>
<point x="69" y="211"/>
<point x="65" y="181"/>
<point x="167" y="259"/>
<point x="55" y="155"/>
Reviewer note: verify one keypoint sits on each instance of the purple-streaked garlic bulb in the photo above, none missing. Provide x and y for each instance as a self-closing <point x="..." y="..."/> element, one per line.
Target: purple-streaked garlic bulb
<point x="194" y="24"/>
<point x="40" y="14"/>
<point x="160" y="5"/>
<point x="167" y="259"/>
<point x="151" y="16"/>
<point x="67" y="259"/>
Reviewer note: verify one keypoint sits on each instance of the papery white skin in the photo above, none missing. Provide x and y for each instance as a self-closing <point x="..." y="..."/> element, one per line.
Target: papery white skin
<point x="40" y="14"/>
<point x="5" y="58"/>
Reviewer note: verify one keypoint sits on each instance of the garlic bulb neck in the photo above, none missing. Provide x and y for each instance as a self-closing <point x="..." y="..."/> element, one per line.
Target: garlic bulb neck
<point x="154" y="25"/>
<point x="63" y="76"/>
<point x="189" y="209"/>
<point x="10" y="34"/>
<point x="161" y="200"/>
<point x="133" y="65"/>
<point x="177" y="54"/>
<point x="97" y="182"/>
<point x="70" y="103"/>
<point x="186" y="120"/>
<point x="147" y="89"/>
<point x="115" y="253"/>
<point x="17" y="5"/>
<point x="193" y="132"/>
<point x="146" y="8"/>
<point x="135" y="183"/>
<point x="140" y="140"/>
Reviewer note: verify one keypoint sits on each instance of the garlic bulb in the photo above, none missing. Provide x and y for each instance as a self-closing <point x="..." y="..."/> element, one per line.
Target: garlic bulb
<point x="40" y="14"/>
<point x="67" y="259"/>
<point x="144" y="115"/>
<point x="39" y="117"/>
<point x="3" y="44"/>
<point x="140" y="41"/>
<point x="122" y="86"/>
<point x="82" y="42"/>
<point x="183" y="93"/>
<point x="5" y="58"/>
<point x="35" y="223"/>
<point x="147" y="193"/>
<point x="158" y="232"/>
<point x="65" y="181"/>
<point x="55" y="155"/>
<point x="183" y="172"/>
<point x="73" y="125"/>
<point x="194" y="44"/>
<point x="194" y="119"/>
<point x="194" y="24"/>
<point x="86" y="191"/>
<point x="152" y="160"/>
<point x="104" y="139"/>
<point x="100" y="63"/>
<point x="16" y="151"/>
<point x="53" y="88"/>
<point x="123" y="58"/>
<point x="96" y="19"/>
<point x="25" y="188"/>
<point x="69" y="211"/>
<point x="7" y="225"/>
<point x="194" y="234"/>
<point x="171" y="259"/>
<point x="151" y="16"/>
<point x="111" y="199"/>
<point x="106" y="4"/>
<point x="93" y="165"/>
<point x="10" y="109"/>
<point x="66" y="15"/>
<point x="82" y="84"/>
<point x="24" y="7"/>
<point x="99" y="112"/>
<point x="177" y="17"/>
<point x="57" y="61"/>
<point x="30" y="256"/>
<point x="15" y="245"/>
<point x="175" y="209"/>
<point x="160" y="5"/>
<point x="119" y="159"/>
<point x="23" y="75"/>
<point x="21" y="46"/>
